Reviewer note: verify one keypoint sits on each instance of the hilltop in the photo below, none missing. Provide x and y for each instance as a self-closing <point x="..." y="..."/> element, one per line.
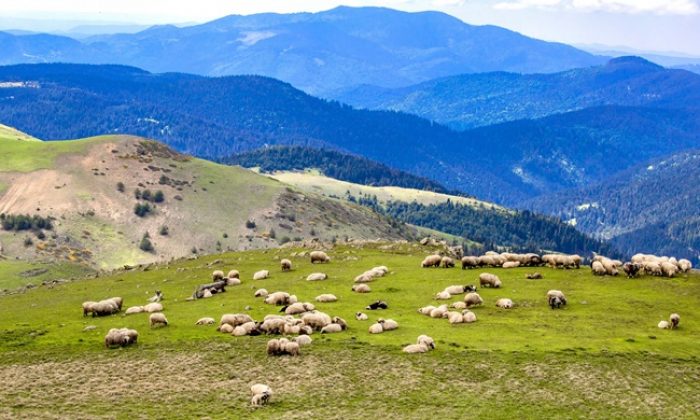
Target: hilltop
<point x="89" y="190"/>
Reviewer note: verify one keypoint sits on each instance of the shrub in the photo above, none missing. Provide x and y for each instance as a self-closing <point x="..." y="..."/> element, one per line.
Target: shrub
<point x="137" y="194"/>
<point x="146" y="244"/>
<point x="164" y="231"/>
<point x="158" y="197"/>
<point x="120" y="187"/>
<point x="284" y="240"/>
<point x="250" y="224"/>
<point x="142" y="210"/>
<point x="147" y="195"/>
<point x="28" y="241"/>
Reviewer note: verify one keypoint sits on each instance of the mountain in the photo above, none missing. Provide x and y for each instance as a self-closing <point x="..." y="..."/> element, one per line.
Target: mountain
<point x="648" y="208"/>
<point x="216" y="117"/>
<point x="316" y="52"/>
<point x="472" y="100"/>
<point x="93" y="201"/>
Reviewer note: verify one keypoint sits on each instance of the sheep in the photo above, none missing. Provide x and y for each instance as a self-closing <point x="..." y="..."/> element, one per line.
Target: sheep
<point x="258" y="400"/>
<point x="225" y="328"/>
<point x="361" y="316"/>
<point x="469" y="262"/>
<point x="455" y="290"/>
<point x="490" y="280"/>
<point x="439" y="312"/>
<point x="388" y="324"/>
<point x="447" y="262"/>
<point x="610" y="266"/>
<point x="454" y="317"/>
<point x="298" y="308"/>
<point x="376" y="328"/>
<point x="88" y="307"/>
<point x="316" y="320"/>
<point x="273" y="347"/>
<point x="107" y="307"/>
<point x="504" y="303"/>
<point x="278" y="298"/>
<point x="468" y="316"/>
<point x="261" y="275"/>
<point x="459" y="305"/>
<point x="444" y="295"/>
<point x="157" y="297"/>
<point x="361" y="288"/>
<point x="212" y="288"/>
<point x="273" y="326"/>
<point x="365" y="277"/>
<point x="331" y="328"/>
<point x="631" y="269"/>
<point x="431" y="261"/>
<point x="290" y="348"/>
<point x="205" y="321"/>
<point x="380" y="304"/>
<point x="121" y="337"/>
<point x="427" y="341"/>
<point x="472" y="299"/>
<point x="674" y="319"/>
<point x="316" y="277"/>
<point x="319" y="257"/>
<point x="326" y="298"/>
<point x="217" y="275"/>
<point x="598" y="269"/>
<point x="206" y="294"/>
<point x="534" y="276"/>
<point x="511" y="264"/>
<point x="664" y="325"/>
<point x="235" y="320"/>
<point x="233" y="274"/>
<point x="134" y="310"/>
<point x="653" y="268"/>
<point x="684" y="265"/>
<point x="153" y="307"/>
<point x="285" y="264"/>
<point x="233" y="282"/>
<point x="382" y="268"/>
<point x="669" y="269"/>
<point x="426" y="310"/>
<point x="556" y="299"/>
<point x="303" y="340"/>
<point x="415" y="348"/>
<point x="260" y="293"/>
<point x="158" y="319"/>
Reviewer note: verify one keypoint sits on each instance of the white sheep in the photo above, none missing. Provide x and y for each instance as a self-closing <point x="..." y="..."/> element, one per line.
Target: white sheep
<point x="158" y="319"/>
<point x="361" y="316"/>
<point x="490" y="280"/>
<point x="454" y="317"/>
<point x="134" y="310"/>
<point x="376" y="328"/>
<point x="674" y="319"/>
<point x="153" y="307"/>
<point x="316" y="277"/>
<point x="331" y="328"/>
<point x="455" y="290"/>
<point x="233" y="274"/>
<point x="504" y="303"/>
<point x="233" y="281"/>
<point x="260" y="293"/>
<point x="261" y="275"/>
<point x="285" y="264"/>
<point x="319" y="257"/>
<point x="388" y="324"/>
<point x="303" y="340"/>
<point x="459" y="305"/>
<point x="361" y="288"/>
<point x="415" y="348"/>
<point x="444" y="295"/>
<point x="468" y="316"/>
<point x="664" y="325"/>
<point x="426" y="310"/>
<point x="439" y="312"/>
<point x="472" y="299"/>
<point x="217" y="275"/>
<point x="326" y="297"/>
<point x="205" y="321"/>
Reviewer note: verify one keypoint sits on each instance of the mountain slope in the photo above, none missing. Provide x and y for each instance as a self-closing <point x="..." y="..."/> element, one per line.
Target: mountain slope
<point x="472" y="100"/>
<point x="205" y="207"/>
<point x="648" y="208"/>
<point x="315" y="52"/>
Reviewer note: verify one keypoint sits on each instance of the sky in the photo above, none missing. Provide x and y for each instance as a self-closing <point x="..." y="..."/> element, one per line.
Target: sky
<point x="670" y="26"/>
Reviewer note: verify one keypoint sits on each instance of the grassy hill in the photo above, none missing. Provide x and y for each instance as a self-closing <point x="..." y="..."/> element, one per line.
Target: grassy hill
<point x="89" y="189"/>
<point x="602" y="356"/>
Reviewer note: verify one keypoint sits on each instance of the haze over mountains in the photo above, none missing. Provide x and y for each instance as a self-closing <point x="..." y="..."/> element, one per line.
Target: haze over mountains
<point x="316" y="52"/>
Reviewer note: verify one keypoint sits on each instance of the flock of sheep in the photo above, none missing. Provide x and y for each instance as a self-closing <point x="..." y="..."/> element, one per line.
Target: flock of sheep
<point x="299" y="320"/>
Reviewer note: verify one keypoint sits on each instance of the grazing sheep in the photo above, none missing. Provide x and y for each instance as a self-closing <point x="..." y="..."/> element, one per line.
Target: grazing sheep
<point x="684" y="265"/>
<point x="260" y="388"/>
<point x="235" y="320"/>
<point x="444" y="295"/>
<point x="556" y="299"/>
<point x="298" y="308"/>
<point x="273" y="347"/>
<point x="469" y="262"/>
<point x="388" y="324"/>
<point x="319" y="257"/>
<point x="233" y="282"/>
<point x="121" y="337"/>
<point x="258" y="400"/>
<point x="217" y="275"/>
<point x="261" y="275"/>
<point x="376" y="328"/>
<point x="157" y="297"/>
<point x="361" y="288"/>
<point x="260" y="293"/>
<point x="316" y="277"/>
<point x="331" y="328"/>
<point x="273" y="326"/>
<point x="468" y="316"/>
<point x="285" y="264"/>
<point x="664" y="325"/>
<point x="598" y="269"/>
<point x="134" y="310"/>
<point x="439" y="312"/>
<point x="459" y="305"/>
<point x="361" y="316"/>
<point x="226" y="328"/>
<point x="426" y="340"/>
<point x="426" y="310"/>
<point x="504" y="303"/>
<point x="511" y="264"/>
<point x="415" y="348"/>
<point x="88" y="307"/>
<point x="455" y="290"/>
<point x="454" y="317"/>
<point x="490" y="280"/>
<point x="205" y="321"/>
<point x="473" y="299"/>
<point x="669" y="269"/>
<point x="290" y="348"/>
<point x="631" y="269"/>
<point x="233" y="274"/>
<point x="117" y="301"/>
<point x="106" y="307"/>
<point x="326" y="297"/>
<point x="447" y="262"/>
<point x="534" y="276"/>
<point x="153" y="307"/>
<point x="278" y="298"/>
<point x="380" y="304"/>
<point x="316" y="320"/>
<point x="158" y="319"/>
<point x="303" y="340"/>
<point x="675" y="319"/>
<point x="431" y="261"/>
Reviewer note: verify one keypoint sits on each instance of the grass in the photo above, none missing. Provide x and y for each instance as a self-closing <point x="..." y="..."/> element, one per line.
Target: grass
<point x="601" y="356"/>
<point x="14" y="274"/>
<point x="28" y="156"/>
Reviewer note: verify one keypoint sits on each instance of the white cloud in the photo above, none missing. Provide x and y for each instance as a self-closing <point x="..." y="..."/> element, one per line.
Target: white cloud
<point x="676" y="7"/>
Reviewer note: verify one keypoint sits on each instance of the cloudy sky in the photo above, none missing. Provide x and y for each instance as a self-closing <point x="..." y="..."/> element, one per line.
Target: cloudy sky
<point x="650" y="25"/>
